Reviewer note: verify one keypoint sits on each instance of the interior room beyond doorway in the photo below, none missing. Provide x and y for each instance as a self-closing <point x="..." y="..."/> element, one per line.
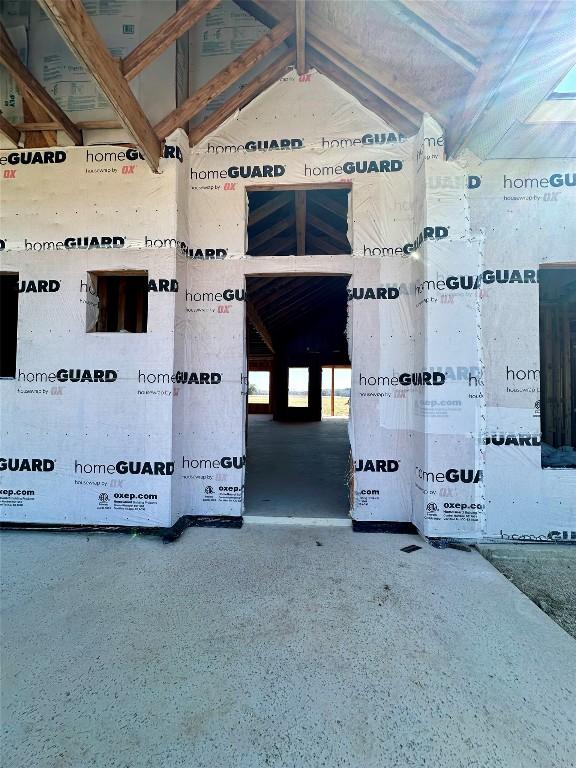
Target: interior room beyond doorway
<point x="298" y="450"/>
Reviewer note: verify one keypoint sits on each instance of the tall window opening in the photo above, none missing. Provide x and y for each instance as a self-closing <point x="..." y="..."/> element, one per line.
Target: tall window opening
<point x="298" y="386"/>
<point x="8" y="324"/>
<point x="336" y="388"/>
<point x="558" y="366"/>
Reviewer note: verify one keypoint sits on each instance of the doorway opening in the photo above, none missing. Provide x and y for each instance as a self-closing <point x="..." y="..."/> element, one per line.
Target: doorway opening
<point x="298" y="449"/>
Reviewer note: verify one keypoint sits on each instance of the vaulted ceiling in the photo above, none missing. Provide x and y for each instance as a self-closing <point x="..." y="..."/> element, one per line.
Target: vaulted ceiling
<point x="464" y="62"/>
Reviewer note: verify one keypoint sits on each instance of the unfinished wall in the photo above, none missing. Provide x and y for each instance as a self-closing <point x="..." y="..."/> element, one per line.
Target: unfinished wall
<point x="419" y="448"/>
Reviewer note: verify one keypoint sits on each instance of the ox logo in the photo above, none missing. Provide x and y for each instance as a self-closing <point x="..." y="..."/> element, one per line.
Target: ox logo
<point x="305" y="78"/>
<point x="229" y="186"/>
<point x="128" y="169"/>
<point x="10" y="173"/>
<point x="224" y="309"/>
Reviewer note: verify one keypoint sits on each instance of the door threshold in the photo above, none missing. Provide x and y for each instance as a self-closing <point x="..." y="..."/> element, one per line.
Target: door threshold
<point x="334" y="522"/>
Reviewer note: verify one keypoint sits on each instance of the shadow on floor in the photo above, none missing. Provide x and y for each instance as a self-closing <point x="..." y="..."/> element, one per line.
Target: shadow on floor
<point x="297" y="470"/>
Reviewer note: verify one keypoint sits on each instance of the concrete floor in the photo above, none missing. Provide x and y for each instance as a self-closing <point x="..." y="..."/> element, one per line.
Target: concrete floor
<point x="544" y="572"/>
<point x="297" y="470"/>
<point x="275" y="647"/>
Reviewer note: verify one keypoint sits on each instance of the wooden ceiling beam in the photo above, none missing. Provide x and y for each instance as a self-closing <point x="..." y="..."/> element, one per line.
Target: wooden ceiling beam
<point x="30" y="87"/>
<point x="321" y="33"/>
<point x="279" y="200"/>
<point x="281" y="244"/>
<point x="225" y="78"/>
<point x="300" y="206"/>
<point x="10" y="131"/>
<point x="329" y="204"/>
<point x="163" y="37"/>
<point x="535" y="43"/>
<point x="326" y="228"/>
<point x="242" y="97"/>
<point x="258" y="324"/>
<point x="301" y="37"/>
<point x="79" y="32"/>
<point x="448" y="25"/>
<point x="320" y="248"/>
<point x="259" y="240"/>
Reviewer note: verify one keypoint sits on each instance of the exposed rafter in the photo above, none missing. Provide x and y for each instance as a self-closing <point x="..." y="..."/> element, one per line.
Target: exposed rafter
<point x="536" y="39"/>
<point x="82" y="37"/>
<point x="270" y="232"/>
<point x="325" y="227"/>
<point x="224" y="79"/>
<point x="301" y="36"/>
<point x="163" y="37"/>
<point x="10" y="131"/>
<point x="29" y="86"/>
<point x="242" y="97"/>
<point x="256" y="321"/>
<point x="448" y="26"/>
<point x="281" y="244"/>
<point x="275" y="204"/>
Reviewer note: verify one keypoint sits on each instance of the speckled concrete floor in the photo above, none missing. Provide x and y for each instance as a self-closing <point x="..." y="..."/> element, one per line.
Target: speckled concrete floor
<point x="297" y="470"/>
<point x="258" y="648"/>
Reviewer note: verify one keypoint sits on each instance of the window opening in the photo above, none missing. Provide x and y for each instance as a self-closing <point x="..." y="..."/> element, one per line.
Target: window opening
<point x="298" y="385"/>
<point x="122" y="302"/>
<point x="336" y="385"/>
<point x="259" y="387"/>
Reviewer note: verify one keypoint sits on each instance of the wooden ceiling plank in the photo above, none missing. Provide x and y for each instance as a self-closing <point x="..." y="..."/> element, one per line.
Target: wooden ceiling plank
<point x="281" y="293"/>
<point x="329" y="204"/>
<point x="28" y="85"/>
<point x="300" y="205"/>
<point x="10" y="131"/>
<point x="225" y="78"/>
<point x="279" y="200"/>
<point x="239" y="100"/>
<point x="457" y="53"/>
<point x="289" y="307"/>
<point x="327" y="228"/>
<point x="365" y="96"/>
<point x="281" y="244"/>
<point x="507" y="46"/>
<point x="79" y="32"/>
<point x="163" y="37"/>
<point x="448" y="25"/>
<point x="258" y="324"/>
<point x="301" y="37"/>
<point x="320" y="247"/>
<point x="270" y="232"/>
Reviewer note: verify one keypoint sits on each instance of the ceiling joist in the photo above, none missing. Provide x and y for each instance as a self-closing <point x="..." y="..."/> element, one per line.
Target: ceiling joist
<point x="79" y="32"/>
<point x="224" y="79"/>
<point x="30" y="87"/>
<point x="300" y="206"/>
<point x="166" y="34"/>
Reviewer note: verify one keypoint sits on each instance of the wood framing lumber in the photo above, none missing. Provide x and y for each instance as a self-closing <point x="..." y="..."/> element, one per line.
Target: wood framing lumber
<point x="82" y="37"/>
<point x="30" y="87"/>
<point x="163" y="37"/>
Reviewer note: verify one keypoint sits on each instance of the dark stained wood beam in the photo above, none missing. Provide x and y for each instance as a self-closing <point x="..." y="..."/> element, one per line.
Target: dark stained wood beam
<point x="448" y="26"/>
<point x="224" y="79"/>
<point x="300" y="205"/>
<point x="10" y="131"/>
<point x="279" y="200"/>
<point x="326" y="228"/>
<point x="163" y="37"/>
<point x="525" y="59"/>
<point x="325" y="245"/>
<point x="256" y="321"/>
<point x="30" y="87"/>
<point x="79" y="32"/>
<point x="281" y="244"/>
<point x="301" y="36"/>
<point x="329" y="204"/>
<point x="239" y="100"/>
<point x="270" y="232"/>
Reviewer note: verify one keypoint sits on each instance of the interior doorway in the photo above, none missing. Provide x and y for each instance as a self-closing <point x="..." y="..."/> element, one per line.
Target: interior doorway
<point x="298" y="449"/>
